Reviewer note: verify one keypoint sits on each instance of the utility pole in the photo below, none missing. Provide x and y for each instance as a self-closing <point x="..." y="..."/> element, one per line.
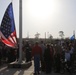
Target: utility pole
<point x="45" y="37"/>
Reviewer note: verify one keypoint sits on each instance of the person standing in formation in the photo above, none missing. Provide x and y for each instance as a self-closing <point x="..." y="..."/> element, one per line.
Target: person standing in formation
<point x="36" y="53"/>
<point x="42" y="59"/>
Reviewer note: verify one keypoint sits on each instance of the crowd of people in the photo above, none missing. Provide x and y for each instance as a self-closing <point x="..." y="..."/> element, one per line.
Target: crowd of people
<point x="46" y="56"/>
<point x="49" y="57"/>
<point x="6" y="53"/>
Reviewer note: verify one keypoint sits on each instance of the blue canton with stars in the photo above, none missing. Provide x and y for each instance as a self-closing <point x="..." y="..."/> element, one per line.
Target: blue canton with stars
<point x="7" y="25"/>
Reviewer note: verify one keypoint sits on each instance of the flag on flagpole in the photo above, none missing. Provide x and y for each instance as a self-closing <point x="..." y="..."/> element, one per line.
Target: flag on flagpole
<point x="72" y="37"/>
<point x="7" y="28"/>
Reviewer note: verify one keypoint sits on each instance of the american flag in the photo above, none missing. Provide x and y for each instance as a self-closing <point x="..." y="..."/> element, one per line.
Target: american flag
<point x="7" y="29"/>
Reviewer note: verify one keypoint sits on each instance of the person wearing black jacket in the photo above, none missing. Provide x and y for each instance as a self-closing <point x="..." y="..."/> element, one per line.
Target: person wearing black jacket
<point x="27" y="51"/>
<point x="48" y="59"/>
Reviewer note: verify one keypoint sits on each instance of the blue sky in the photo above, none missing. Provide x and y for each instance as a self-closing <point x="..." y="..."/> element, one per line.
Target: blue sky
<point x="50" y="16"/>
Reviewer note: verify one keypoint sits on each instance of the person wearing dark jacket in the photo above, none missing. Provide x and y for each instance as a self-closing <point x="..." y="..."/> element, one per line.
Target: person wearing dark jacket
<point x="48" y="59"/>
<point x="27" y="51"/>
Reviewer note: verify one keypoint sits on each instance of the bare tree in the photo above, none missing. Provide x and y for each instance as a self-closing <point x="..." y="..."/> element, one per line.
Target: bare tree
<point x="61" y="34"/>
<point x="37" y="35"/>
<point x="50" y="36"/>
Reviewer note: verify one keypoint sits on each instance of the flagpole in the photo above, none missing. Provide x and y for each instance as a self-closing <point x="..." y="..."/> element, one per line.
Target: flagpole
<point x="20" y="31"/>
<point x="74" y="33"/>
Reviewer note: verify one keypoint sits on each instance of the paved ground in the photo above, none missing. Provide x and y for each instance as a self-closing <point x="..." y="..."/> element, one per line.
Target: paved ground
<point x="16" y="71"/>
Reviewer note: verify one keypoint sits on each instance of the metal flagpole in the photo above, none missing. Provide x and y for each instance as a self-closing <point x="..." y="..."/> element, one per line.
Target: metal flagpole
<point x="20" y="31"/>
<point x="74" y="33"/>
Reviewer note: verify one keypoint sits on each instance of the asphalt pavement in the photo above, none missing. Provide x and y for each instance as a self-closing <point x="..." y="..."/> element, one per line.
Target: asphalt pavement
<point x="4" y="70"/>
